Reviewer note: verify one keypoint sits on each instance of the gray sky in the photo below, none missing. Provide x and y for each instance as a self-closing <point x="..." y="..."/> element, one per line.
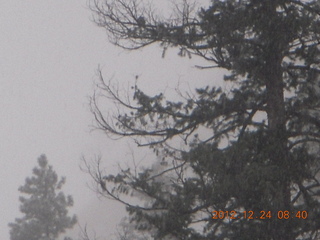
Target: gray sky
<point x="50" y="51"/>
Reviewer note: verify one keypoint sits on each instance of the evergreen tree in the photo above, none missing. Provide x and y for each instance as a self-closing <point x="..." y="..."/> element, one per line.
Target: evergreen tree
<point x="269" y="121"/>
<point x="44" y="206"/>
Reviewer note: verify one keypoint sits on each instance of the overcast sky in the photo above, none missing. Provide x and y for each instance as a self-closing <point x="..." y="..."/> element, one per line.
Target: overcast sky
<point x="50" y="51"/>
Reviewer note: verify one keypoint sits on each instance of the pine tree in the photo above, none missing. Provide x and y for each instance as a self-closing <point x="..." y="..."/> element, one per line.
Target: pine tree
<point x="43" y="205"/>
<point x="268" y="121"/>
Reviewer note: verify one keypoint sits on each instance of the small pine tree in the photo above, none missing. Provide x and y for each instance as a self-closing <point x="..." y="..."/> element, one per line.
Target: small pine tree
<point x="45" y="209"/>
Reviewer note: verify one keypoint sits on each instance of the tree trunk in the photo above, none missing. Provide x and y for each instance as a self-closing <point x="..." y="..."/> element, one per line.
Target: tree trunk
<point x="277" y="144"/>
<point x="277" y="137"/>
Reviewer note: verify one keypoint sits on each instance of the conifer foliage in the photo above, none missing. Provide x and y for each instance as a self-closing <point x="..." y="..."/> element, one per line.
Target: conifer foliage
<point x="44" y="206"/>
<point x="252" y="147"/>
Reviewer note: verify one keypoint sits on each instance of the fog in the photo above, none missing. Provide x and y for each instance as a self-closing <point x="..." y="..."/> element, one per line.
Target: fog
<point x="50" y="52"/>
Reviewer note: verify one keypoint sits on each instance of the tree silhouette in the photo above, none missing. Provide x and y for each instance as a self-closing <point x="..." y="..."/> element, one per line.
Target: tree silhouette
<point x="44" y="208"/>
<point x="268" y="122"/>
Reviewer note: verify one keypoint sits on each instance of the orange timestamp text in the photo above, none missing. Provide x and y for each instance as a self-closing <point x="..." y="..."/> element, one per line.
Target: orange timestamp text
<point x="259" y="215"/>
